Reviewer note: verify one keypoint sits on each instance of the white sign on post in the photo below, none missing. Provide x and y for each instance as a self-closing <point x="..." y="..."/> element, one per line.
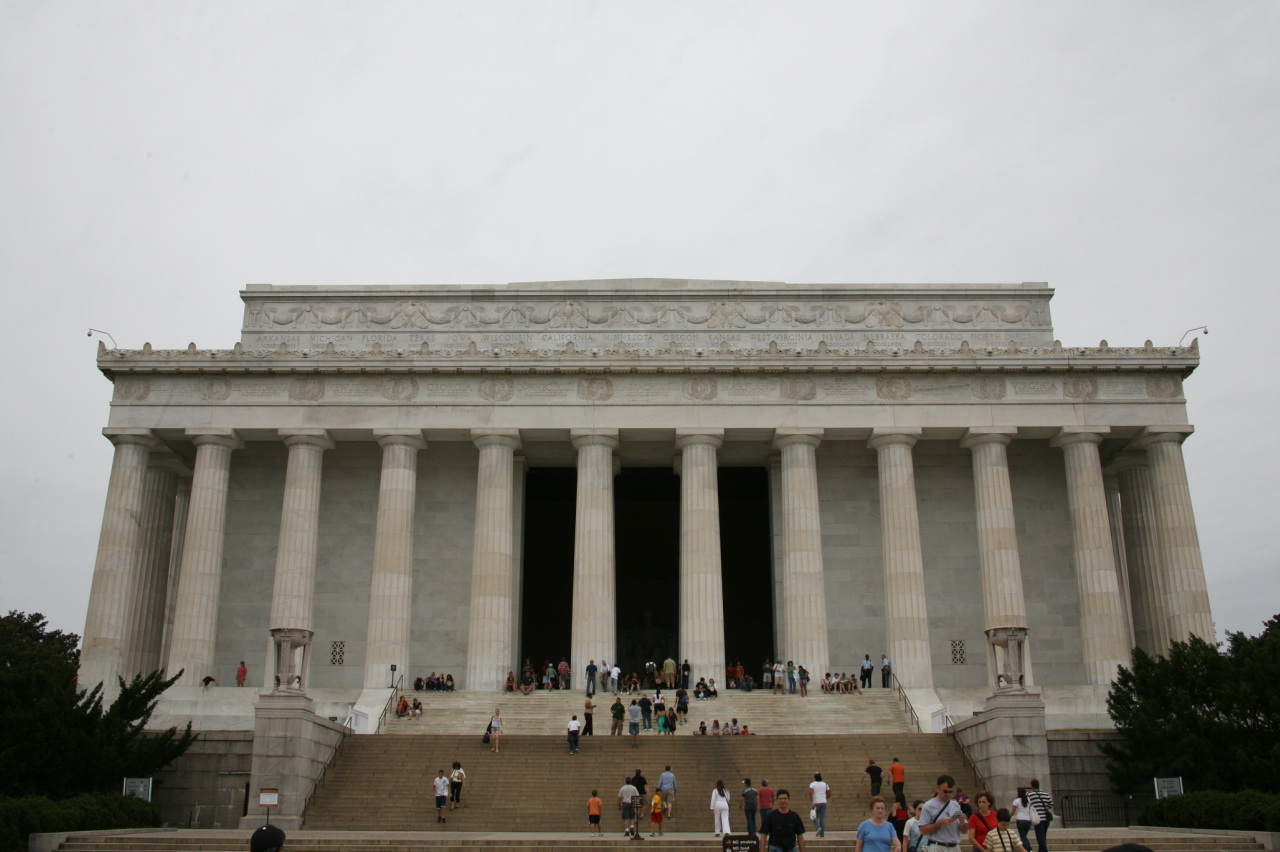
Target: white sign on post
<point x="140" y="787"/>
<point x="1166" y="787"/>
<point x="269" y="797"/>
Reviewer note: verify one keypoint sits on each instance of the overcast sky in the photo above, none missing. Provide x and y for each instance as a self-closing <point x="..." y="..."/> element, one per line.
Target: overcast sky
<point x="156" y="157"/>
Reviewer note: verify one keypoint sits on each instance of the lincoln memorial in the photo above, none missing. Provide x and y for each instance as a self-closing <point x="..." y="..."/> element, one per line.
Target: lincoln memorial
<point x="376" y="483"/>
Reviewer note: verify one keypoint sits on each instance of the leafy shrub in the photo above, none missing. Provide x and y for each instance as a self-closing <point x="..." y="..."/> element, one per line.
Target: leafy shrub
<point x="22" y="817"/>
<point x="1247" y="810"/>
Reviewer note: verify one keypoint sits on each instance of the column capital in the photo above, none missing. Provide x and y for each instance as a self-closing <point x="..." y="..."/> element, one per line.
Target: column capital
<point x="400" y="438"/>
<point x="594" y="438"/>
<point x="306" y="437"/>
<point x="488" y="437"/>
<point x="1079" y="435"/>
<point x="1127" y="460"/>
<point x="1156" y="434"/>
<point x="979" y="435"/>
<point x="885" y="436"/>
<point x="118" y="435"/>
<point x="216" y="437"/>
<point x="691" y="437"/>
<point x="170" y="461"/>
<point x="789" y="436"/>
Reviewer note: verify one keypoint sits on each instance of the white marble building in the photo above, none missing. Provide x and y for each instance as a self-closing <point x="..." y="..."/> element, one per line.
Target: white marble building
<point x="343" y="490"/>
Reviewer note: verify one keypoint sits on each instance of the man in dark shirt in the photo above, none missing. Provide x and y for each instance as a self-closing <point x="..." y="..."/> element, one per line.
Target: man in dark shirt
<point x="619" y="713"/>
<point x="642" y="783"/>
<point x="646" y="712"/>
<point x="875" y="773"/>
<point x="782" y="829"/>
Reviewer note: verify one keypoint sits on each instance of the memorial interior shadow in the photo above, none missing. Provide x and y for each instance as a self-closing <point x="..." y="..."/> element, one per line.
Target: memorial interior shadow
<point x="647" y="546"/>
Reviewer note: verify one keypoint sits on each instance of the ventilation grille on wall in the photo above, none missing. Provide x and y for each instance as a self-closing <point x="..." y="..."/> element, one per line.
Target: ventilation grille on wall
<point x="338" y="653"/>
<point x="957" y="652"/>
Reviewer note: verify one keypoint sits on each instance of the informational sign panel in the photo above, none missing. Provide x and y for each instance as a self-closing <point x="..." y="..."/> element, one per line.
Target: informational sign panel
<point x="269" y="797"/>
<point x="740" y="843"/>
<point x="140" y="787"/>
<point x="1166" y="787"/>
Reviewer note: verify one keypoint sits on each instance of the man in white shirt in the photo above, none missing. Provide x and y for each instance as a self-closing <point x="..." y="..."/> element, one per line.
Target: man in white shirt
<point x="941" y="819"/>
<point x="819" y="793"/>
<point x="441" y="785"/>
<point x="574" y="728"/>
<point x="885" y="671"/>
<point x="615" y="675"/>
<point x="626" y="799"/>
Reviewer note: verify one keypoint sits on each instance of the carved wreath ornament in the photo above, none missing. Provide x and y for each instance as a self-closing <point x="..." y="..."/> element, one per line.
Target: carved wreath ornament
<point x="716" y="315"/>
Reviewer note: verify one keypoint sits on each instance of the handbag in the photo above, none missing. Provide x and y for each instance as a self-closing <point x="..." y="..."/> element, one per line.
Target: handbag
<point x="1035" y="814"/>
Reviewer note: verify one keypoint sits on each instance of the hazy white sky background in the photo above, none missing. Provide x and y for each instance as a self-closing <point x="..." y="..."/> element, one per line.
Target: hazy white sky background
<point x="156" y="157"/>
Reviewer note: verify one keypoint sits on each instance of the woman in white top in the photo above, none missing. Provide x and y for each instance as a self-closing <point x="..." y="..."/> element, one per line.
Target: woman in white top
<point x="1020" y="810"/>
<point x="720" y="809"/>
<point x="495" y="729"/>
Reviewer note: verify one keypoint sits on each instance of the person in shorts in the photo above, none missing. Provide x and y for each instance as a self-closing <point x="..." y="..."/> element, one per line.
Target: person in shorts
<point x="626" y="796"/>
<point x="594" y="808"/>
<point x="441" y="784"/>
<point x="655" y="816"/>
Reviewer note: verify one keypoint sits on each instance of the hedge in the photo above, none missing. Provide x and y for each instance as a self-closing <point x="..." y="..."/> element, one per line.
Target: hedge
<point x="22" y="817"/>
<point x="1247" y="810"/>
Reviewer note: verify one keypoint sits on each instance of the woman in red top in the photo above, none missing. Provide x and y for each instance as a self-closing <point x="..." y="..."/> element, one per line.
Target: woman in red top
<point x="983" y="821"/>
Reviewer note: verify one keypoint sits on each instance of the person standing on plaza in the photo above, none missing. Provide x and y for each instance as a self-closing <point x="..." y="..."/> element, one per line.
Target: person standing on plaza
<point x="241" y="674"/>
<point x="633" y="723"/>
<point x="441" y="785"/>
<point x="819" y="794"/>
<point x="456" y="779"/>
<point x="865" y="675"/>
<point x="655" y="815"/>
<point x="591" y="678"/>
<point x="942" y="821"/>
<point x="685" y="671"/>
<point x="750" y="804"/>
<point x="495" y="729"/>
<point x="766" y="796"/>
<point x="575" y="728"/>
<point x="562" y="673"/>
<point x="646" y="712"/>
<point x="669" y="672"/>
<point x="875" y="774"/>
<point x="877" y="833"/>
<point x="766" y="676"/>
<point x="667" y="787"/>
<point x="886" y="671"/>
<point x="627" y="795"/>
<point x="802" y="674"/>
<point x="781" y="830"/>
<point x="619" y="714"/>
<point x="898" y="775"/>
<point x="588" y="717"/>
<point x="615" y="675"/>
<point x="1043" y="803"/>
<point x="779" y="675"/>
<point x="595" y="807"/>
<point x="791" y="677"/>
<point x="720" y="809"/>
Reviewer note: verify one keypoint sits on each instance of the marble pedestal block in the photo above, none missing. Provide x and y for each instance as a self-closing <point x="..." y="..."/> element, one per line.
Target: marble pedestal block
<point x="1007" y="742"/>
<point x="291" y="747"/>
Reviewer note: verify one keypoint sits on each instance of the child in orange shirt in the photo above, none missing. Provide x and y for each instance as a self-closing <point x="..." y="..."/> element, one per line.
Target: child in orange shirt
<point x="594" y="807"/>
<point x="655" y="816"/>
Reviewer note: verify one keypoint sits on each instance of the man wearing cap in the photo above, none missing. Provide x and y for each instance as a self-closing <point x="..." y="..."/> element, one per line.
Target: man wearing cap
<point x="266" y="838"/>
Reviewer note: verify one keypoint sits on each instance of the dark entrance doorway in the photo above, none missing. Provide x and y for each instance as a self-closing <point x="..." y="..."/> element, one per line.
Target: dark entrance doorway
<point x="647" y="547"/>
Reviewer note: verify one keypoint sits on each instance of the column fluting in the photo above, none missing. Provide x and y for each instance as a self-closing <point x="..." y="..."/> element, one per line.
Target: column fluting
<point x="1186" y="593"/>
<point x="147" y="618"/>
<point x="594" y="630"/>
<point x="1102" y="628"/>
<point x="104" y="654"/>
<point x="491" y="641"/>
<point x="181" y="506"/>
<point x="195" y="617"/>
<point x="906" y="613"/>
<point x="391" y="578"/>
<point x="804" y="599"/>
<point x="1147" y="595"/>
<point x="701" y="585"/>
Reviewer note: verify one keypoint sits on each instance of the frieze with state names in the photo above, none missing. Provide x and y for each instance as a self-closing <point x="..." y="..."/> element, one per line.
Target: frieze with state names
<point x="885" y="388"/>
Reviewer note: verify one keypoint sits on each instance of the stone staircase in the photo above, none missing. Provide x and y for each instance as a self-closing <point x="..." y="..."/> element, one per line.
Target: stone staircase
<point x="875" y="711"/>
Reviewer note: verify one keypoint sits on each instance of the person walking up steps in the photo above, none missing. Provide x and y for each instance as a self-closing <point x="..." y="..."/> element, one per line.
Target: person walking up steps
<point x="667" y="789"/>
<point x="595" y="807"/>
<point x="819" y="794"/>
<point x="750" y="804"/>
<point x="720" y="809"/>
<point x="875" y="774"/>
<point x="898" y="775"/>
<point x="1043" y="803"/>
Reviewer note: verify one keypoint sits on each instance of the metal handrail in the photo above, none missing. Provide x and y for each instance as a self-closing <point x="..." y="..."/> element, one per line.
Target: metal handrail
<point x="395" y="690"/>
<point x="902" y="696"/>
<point x="315" y="786"/>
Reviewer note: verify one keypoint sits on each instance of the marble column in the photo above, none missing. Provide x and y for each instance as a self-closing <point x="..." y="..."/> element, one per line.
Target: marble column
<point x="181" y="505"/>
<point x="104" y="654"/>
<point x="1004" y="605"/>
<point x="147" y="617"/>
<point x="1115" y="519"/>
<point x="701" y="590"/>
<point x="391" y="579"/>
<point x="1186" y="593"/>
<point x="195" y="616"/>
<point x="1147" y="595"/>
<point x="906" y="614"/>
<point x="1102" y="629"/>
<point x="804" y="598"/>
<point x="594" y="631"/>
<point x="293" y="594"/>
<point x="491" y="639"/>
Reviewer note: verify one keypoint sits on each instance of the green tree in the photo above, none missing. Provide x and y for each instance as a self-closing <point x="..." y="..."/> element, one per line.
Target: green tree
<point x="57" y="741"/>
<point x="1210" y="715"/>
